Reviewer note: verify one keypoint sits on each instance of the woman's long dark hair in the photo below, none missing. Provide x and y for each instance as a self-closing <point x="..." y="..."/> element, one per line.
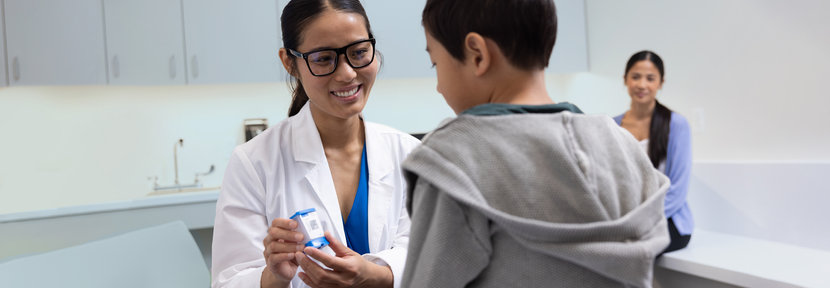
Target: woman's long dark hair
<point x="658" y="133"/>
<point x="295" y="17"/>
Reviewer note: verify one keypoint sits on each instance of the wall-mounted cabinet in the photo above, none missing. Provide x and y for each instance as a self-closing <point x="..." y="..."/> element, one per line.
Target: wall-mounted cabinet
<point x="145" y="43"/>
<point x="55" y="42"/>
<point x="232" y="41"/>
<point x="164" y="42"/>
<point x="570" y="54"/>
<point x="4" y="81"/>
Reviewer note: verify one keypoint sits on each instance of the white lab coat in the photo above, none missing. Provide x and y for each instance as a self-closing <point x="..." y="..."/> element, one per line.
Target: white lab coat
<point x="284" y="170"/>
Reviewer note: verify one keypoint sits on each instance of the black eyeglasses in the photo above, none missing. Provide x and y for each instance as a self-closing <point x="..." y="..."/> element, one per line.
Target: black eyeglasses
<point x="323" y="62"/>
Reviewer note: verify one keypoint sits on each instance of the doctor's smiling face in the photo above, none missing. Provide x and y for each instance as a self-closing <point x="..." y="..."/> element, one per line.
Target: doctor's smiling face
<point x="343" y="93"/>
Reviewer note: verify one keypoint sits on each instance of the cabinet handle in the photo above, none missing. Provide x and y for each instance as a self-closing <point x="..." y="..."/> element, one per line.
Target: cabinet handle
<point x="194" y="66"/>
<point x="116" y="67"/>
<point x="16" y="69"/>
<point x="173" y="66"/>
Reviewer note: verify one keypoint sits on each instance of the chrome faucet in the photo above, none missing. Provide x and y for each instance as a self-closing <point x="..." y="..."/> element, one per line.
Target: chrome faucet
<point x="196" y="180"/>
<point x="176" y="158"/>
<point x="176" y="185"/>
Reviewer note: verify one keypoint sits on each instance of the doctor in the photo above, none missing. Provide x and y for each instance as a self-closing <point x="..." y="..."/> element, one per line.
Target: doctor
<point x="324" y="156"/>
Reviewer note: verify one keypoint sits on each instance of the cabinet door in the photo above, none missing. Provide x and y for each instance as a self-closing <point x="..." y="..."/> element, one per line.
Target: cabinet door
<point x="145" y="42"/>
<point x="4" y="81"/>
<point x="570" y="54"/>
<point x="230" y="41"/>
<point x="55" y="42"/>
<point x="400" y="37"/>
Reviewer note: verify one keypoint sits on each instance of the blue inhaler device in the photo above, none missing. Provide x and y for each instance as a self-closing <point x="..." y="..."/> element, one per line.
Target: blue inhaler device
<point x="311" y="227"/>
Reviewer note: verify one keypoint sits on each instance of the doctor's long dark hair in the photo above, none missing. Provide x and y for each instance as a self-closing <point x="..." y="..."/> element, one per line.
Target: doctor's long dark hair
<point x="658" y="133"/>
<point x="295" y="17"/>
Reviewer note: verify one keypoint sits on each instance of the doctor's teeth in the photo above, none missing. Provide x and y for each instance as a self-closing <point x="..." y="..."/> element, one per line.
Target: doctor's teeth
<point x="346" y="93"/>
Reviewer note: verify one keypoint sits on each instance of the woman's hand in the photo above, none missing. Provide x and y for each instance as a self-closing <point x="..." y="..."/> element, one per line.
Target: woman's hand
<point x="349" y="269"/>
<point x="280" y="245"/>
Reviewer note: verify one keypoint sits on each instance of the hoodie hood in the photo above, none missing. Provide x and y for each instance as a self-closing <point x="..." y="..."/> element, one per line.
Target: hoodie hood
<point x="569" y="186"/>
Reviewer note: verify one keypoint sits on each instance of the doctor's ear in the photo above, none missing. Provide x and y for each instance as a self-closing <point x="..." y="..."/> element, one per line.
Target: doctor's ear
<point x="288" y="62"/>
<point x="379" y="57"/>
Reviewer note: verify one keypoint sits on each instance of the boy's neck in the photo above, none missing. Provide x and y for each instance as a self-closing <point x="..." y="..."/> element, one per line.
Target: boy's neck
<point x="521" y="88"/>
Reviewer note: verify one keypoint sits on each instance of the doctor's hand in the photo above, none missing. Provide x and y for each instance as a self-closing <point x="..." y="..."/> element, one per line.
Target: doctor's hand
<point x="280" y="245"/>
<point x="349" y="269"/>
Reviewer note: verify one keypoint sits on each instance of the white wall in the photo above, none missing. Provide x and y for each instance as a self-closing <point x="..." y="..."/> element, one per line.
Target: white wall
<point x="75" y="145"/>
<point x="62" y="146"/>
<point x="749" y="74"/>
<point x="780" y="202"/>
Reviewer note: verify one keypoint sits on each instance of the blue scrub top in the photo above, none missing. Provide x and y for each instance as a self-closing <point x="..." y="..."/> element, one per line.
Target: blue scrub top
<point x="357" y="226"/>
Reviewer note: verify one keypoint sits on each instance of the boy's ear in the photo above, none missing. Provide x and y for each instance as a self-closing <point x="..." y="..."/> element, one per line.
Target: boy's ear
<point x="477" y="53"/>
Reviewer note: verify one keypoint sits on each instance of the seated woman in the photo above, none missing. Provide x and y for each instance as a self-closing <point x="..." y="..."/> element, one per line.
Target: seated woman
<point x="665" y="137"/>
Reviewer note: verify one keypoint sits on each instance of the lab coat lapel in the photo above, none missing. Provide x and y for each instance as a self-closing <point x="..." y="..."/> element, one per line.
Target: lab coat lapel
<point x="308" y="148"/>
<point x="381" y="186"/>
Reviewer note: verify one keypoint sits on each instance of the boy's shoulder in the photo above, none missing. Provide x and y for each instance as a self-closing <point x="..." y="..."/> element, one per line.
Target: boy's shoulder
<point x="557" y="130"/>
<point x="512" y="123"/>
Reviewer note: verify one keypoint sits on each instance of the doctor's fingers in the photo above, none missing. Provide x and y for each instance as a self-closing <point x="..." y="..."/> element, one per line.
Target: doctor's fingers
<point x="307" y="280"/>
<point x="282" y="247"/>
<point x="334" y="262"/>
<point x="273" y="259"/>
<point x="284" y="223"/>
<point x="311" y="270"/>
<point x="321" y="277"/>
<point x="280" y="267"/>
<point x="277" y="233"/>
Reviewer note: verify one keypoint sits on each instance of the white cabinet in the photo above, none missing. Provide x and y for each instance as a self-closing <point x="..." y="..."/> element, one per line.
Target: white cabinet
<point x="400" y="37"/>
<point x="570" y="54"/>
<point x="4" y="81"/>
<point x="145" y="42"/>
<point x="55" y="42"/>
<point x="230" y="41"/>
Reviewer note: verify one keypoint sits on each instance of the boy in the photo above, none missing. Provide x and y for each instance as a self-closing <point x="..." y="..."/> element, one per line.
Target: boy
<point x="519" y="191"/>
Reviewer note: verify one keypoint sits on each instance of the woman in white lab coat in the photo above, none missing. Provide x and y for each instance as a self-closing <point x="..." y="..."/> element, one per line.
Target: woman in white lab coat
<point x="316" y="159"/>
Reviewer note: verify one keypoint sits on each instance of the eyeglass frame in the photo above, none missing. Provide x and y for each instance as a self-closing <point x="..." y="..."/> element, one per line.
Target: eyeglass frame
<point x="338" y="52"/>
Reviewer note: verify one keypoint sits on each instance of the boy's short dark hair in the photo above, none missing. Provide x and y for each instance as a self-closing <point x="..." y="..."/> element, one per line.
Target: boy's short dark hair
<point x="525" y="30"/>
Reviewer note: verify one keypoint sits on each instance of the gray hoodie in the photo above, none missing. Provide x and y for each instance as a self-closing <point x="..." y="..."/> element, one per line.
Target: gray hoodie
<point x="533" y="200"/>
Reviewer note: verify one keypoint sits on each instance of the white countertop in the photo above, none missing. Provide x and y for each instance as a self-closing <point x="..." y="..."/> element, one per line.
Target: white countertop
<point x="749" y="262"/>
<point x="138" y="203"/>
<point x="48" y="229"/>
